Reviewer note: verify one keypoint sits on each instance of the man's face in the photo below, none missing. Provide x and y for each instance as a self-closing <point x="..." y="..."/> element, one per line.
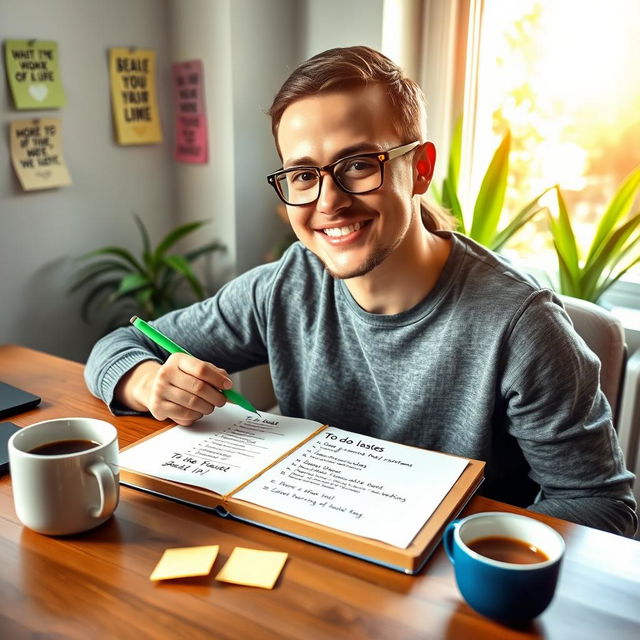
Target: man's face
<point x="351" y="234"/>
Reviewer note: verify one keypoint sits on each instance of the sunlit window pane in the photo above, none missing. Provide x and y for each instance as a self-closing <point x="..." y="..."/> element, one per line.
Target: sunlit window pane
<point x="564" y="75"/>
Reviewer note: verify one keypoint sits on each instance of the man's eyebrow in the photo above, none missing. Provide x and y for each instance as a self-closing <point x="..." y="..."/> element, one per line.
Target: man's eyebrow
<point x="361" y="147"/>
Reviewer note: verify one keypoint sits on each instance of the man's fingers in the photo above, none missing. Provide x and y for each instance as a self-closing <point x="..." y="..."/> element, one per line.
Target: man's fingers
<point x="201" y="370"/>
<point x="186" y="373"/>
<point x="185" y="389"/>
<point x="179" y="415"/>
<point x="180" y="406"/>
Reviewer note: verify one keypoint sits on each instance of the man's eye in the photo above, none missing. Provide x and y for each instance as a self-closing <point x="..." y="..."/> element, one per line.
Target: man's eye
<point x="303" y="176"/>
<point x="360" y="166"/>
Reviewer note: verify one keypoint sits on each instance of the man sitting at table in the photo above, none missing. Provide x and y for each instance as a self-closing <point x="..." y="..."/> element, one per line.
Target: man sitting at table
<point x="383" y="321"/>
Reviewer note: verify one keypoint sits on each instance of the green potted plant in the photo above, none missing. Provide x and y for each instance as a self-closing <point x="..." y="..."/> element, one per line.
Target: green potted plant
<point x="613" y="250"/>
<point x="119" y="284"/>
<point x="488" y="207"/>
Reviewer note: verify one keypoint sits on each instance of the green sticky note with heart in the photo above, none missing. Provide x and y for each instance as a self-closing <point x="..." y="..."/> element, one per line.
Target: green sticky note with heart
<point x="33" y="74"/>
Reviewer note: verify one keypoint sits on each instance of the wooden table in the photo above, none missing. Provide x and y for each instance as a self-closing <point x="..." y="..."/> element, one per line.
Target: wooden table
<point x="96" y="585"/>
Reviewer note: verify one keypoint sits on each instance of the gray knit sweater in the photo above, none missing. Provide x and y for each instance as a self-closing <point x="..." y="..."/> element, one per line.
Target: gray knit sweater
<point x="487" y="366"/>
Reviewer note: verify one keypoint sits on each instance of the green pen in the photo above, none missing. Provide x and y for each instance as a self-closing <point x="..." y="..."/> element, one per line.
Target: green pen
<point x="172" y="347"/>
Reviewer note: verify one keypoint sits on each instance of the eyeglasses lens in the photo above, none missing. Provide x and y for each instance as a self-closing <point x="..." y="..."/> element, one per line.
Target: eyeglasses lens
<point x="354" y="175"/>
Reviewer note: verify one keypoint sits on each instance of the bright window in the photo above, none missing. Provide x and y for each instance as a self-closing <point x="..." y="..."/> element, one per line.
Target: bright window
<point x="564" y="76"/>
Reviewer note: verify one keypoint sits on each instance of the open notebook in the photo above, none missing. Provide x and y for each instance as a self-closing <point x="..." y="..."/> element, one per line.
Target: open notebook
<point x="381" y="501"/>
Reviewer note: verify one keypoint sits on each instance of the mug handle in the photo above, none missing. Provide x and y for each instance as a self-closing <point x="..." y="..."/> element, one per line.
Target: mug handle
<point x="447" y="538"/>
<point x="107" y="488"/>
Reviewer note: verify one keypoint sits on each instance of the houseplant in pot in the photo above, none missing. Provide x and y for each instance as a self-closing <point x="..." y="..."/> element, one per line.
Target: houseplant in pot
<point x="118" y="283"/>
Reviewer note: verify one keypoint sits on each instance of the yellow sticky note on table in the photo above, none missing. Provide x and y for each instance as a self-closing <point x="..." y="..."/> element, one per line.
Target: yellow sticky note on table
<point x="185" y="562"/>
<point x="253" y="567"/>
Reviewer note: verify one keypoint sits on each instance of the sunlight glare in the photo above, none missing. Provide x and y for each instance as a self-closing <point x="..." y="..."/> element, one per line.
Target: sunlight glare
<point x="564" y="77"/>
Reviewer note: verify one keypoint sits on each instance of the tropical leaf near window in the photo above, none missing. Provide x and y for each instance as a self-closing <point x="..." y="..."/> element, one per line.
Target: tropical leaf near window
<point x="488" y="208"/>
<point x="119" y="284"/>
<point x="614" y="250"/>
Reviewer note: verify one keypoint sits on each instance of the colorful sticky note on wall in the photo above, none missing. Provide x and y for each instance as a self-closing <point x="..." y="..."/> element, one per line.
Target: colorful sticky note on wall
<point x="133" y="96"/>
<point x="192" y="143"/>
<point x="33" y="74"/>
<point x="36" y="153"/>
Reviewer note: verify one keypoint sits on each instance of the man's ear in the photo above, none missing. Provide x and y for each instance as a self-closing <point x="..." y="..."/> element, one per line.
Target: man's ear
<point x="424" y="163"/>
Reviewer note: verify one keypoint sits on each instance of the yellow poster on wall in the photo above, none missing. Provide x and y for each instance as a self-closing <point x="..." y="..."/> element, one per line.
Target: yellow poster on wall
<point x="133" y="96"/>
<point x="36" y="153"/>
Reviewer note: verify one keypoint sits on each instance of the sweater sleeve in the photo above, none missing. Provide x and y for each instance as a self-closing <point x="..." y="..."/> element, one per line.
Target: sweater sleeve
<point x="562" y="420"/>
<point x="226" y="330"/>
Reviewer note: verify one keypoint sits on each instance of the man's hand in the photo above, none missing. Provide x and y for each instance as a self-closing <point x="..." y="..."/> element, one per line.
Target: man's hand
<point x="183" y="389"/>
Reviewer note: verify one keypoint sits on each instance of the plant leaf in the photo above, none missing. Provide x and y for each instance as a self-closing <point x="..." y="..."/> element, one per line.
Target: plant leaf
<point x="564" y="239"/>
<point x="568" y="284"/>
<point x="614" y="265"/>
<point x="518" y="221"/>
<point x="618" y="208"/>
<point x="95" y="271"/>
<point x="181" y="266"/>
<point x="190" y="256"/>
<point x="451" y="202"/>
<point x="143" y="295"/>
<point x="119" y="252"/>
<point x="455" y="153"/>
<point x="146" y="244"/>
<point x="172" y="237"/>
<point x="490" y="200"/>
<point x="611" y="281"/>
<point x="447" y="197"/>
<point x="521" y="218"/>
<point x="129" y="284"/>
<point x="611" y="252"/>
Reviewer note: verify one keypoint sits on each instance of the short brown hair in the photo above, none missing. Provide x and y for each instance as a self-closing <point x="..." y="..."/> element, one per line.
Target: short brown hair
<point x="354" y="67"/>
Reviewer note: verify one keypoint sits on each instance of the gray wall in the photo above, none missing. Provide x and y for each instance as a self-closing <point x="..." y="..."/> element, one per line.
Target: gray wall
<point x="41" y="231"/>
<point x="339" y="23"/>
<point x="248" y="48"/>
<point x="259" y="68"/>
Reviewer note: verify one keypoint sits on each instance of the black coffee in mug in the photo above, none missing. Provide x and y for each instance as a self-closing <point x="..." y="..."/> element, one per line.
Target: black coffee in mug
<point x="506" y="549"/>
<point x="61" y="447"/>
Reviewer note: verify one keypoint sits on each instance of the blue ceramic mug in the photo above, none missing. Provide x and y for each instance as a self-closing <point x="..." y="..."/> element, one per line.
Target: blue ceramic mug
<point x="509" y="591"/>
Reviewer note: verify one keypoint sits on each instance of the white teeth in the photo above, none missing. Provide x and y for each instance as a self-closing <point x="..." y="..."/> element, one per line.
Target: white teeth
<point x="335" y="232"/>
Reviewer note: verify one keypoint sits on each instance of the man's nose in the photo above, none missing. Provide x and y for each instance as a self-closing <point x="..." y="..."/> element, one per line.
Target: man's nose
<point x="331" y="197"/>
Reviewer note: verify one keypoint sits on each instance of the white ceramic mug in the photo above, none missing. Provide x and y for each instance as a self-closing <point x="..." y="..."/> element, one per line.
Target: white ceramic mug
<point x="70" y="492"/>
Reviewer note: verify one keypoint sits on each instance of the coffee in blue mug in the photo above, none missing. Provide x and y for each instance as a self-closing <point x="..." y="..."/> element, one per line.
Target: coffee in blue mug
<point x="506" y="565"/>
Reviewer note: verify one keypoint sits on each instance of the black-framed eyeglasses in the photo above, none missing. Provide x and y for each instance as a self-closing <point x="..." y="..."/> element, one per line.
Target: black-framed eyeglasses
<point x="357" y="174"/>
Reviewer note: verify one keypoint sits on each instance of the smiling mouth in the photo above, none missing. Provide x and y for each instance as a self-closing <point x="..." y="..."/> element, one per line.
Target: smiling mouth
<point x="337" y="232"/>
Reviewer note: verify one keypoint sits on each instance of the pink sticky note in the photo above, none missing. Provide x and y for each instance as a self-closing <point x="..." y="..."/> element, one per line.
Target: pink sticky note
<point x="191" y="139"/>
<point x="191" y="121"/>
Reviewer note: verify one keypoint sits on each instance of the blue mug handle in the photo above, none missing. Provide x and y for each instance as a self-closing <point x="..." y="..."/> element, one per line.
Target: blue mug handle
<point x="447" y="538"/>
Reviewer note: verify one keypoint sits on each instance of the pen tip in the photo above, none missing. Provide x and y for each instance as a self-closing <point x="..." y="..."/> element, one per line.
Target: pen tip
<point x="133" y="319"/>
